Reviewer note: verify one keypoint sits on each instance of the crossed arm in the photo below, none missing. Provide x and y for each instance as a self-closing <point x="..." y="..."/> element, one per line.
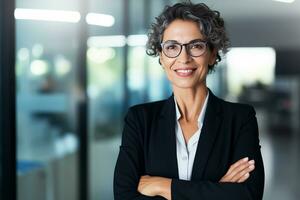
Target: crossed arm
<point x="161" y="186"/>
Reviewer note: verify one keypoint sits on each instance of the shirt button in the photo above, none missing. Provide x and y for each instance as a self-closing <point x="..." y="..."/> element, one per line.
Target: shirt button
<point x="184" y="158"/>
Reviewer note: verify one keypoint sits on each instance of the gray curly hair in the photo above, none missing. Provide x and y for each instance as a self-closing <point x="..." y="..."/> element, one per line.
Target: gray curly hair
<point x="210" y="22"/>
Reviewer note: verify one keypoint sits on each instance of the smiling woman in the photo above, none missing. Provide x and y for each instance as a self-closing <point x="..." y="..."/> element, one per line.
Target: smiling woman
<point x="192" y="145"/>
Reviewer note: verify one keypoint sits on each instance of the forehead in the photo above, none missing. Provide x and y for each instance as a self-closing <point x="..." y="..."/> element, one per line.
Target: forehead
<point x="182" y="31"/>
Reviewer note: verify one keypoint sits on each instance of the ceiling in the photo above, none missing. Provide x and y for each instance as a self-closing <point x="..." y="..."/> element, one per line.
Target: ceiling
<point x="260" y="22"/>
<point x="255" y="9"/>
<point x="257" y="22"/>
<point x="248" y="22"/>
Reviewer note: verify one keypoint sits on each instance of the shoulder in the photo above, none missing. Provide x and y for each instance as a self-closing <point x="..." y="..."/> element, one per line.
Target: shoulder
<point x="148" y="107"/>
<point x="238" y="108"/>
<point x="227" y="107"/>
<point x="147" y="110"/>
<point x="232" y="109"/>
<point x="240" y="113"/>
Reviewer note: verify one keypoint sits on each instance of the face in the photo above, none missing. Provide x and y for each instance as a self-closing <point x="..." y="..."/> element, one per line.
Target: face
<point x="185" y="71"/>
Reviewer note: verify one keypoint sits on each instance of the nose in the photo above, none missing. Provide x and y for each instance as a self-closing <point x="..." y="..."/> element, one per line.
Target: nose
<point x="184" y="56"/>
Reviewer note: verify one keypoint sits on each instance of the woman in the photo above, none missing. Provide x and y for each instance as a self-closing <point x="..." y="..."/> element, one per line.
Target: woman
<point x="192" y="145"/>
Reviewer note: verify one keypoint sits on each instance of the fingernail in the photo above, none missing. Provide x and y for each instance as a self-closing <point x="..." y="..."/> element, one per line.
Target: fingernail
<point x="251" y="162"/>
<point x="245" y="159"/>
<point x="246" y="175"/>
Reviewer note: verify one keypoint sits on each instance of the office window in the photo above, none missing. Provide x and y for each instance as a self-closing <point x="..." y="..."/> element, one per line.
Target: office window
<point x="111" y="50"/>
<point x="250" y="66"/>
<point x="47" y="50"/>
<point x="105" y="65"/>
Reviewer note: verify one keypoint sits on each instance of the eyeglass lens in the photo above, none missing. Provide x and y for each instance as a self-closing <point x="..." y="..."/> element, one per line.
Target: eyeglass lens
<point x="173" y="49"/>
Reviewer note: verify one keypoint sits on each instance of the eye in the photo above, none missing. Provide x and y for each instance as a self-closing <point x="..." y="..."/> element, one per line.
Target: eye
<point x="171" y="46"/>
<point x="198" y="45"/>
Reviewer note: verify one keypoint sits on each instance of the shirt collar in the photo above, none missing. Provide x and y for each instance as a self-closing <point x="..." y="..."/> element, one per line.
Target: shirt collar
<point x="202" y="113"/>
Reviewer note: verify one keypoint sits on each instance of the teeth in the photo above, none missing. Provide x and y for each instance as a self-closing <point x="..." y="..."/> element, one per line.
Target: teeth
<point x="184" y="70"/>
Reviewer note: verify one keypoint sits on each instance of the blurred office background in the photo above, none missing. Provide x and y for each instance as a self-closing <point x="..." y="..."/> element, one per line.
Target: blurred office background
<point x="80" y="64"/>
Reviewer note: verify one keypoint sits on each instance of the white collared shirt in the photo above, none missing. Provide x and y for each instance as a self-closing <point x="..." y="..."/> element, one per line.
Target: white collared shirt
<point x="186" y="152"/>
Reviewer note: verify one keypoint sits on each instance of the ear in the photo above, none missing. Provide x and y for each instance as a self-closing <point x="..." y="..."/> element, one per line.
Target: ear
<point x="159" y="60"/>
<point x="213" y="57"/>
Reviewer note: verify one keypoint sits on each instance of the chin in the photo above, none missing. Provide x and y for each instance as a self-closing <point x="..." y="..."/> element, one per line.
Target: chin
<point x="184" y="85"/>
<point x="187" y="84"/>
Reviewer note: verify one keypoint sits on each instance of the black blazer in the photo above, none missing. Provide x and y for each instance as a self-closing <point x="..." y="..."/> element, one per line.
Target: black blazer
<point x="148" y="147"/>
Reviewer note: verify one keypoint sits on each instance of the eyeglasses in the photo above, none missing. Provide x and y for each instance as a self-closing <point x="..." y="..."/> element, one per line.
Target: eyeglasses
<point x="172" y="48"/>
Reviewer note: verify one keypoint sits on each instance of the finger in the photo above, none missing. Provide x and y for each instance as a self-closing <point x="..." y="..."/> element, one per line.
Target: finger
<point x="143" y="179"/>
<point x="142" y="183"/>
<point x="236" y="164"/>
<point x="237" y="169"/>
<point x="240" y="168"/>
<point x="244" y="178"/>
<point x="235" y="178"/>
<point x="243" y="173"/>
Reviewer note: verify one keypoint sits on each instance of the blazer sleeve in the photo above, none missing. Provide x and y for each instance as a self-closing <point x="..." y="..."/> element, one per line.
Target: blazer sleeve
<point x="129" y="167"/>
<point x="246" y="145"/>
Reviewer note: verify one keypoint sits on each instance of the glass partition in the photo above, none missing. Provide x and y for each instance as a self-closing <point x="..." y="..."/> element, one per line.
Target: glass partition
<point x="47" y="92"/>
<point x="105" y="65"/>
<point x="120" y="74"/>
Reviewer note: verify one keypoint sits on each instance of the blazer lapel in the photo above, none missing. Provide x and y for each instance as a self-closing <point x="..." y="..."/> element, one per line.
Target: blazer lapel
<point x="211" y="123"/>
<point x="167" y="122"/>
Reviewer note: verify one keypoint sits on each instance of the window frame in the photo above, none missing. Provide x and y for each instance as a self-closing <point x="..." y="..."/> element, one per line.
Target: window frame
<point x="7" y="101"/>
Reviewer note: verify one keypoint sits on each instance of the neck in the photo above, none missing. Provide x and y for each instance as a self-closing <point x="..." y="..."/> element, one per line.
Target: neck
<point x="190" y="101"/>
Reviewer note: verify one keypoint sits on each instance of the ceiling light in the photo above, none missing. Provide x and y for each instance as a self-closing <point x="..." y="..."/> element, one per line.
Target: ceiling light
<point x="39" y="67"/>
<point x="107" y="41"/>
<point x="285" y="1"/>
<point x="47" y="15"/>
<point x="100" y="19"/>
<point x="137" y="40"/>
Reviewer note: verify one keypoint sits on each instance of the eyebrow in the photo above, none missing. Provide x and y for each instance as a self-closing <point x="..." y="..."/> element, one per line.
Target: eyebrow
<point x="195" y="40"/>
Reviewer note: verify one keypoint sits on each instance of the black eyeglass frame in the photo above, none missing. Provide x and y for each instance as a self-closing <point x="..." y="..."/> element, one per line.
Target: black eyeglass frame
<point x="185" y="45"/>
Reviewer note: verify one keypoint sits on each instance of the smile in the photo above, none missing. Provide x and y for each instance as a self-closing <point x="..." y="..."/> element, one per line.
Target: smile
<point x="184" y="72"/>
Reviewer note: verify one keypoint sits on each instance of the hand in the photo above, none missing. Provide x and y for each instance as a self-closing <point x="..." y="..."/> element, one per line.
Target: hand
<point x="155" y="186"/>
<point x="239" y="171"/>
